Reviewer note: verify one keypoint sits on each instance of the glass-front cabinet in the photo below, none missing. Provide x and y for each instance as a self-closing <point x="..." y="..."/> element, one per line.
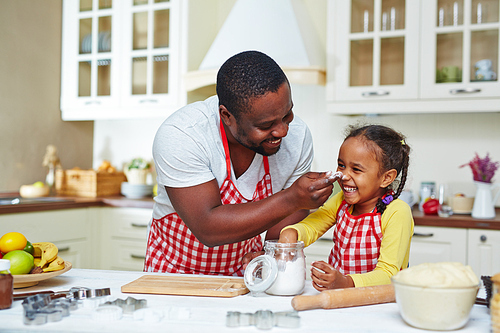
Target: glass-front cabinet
<point x="413" y="56"/>
<point x="460" y="49"/>
<point x="118" y="56"/>
<point x="376" y="48"/>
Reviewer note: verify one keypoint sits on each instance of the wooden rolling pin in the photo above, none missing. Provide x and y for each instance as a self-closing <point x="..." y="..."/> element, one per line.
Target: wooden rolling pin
<point x="344" y="298"/>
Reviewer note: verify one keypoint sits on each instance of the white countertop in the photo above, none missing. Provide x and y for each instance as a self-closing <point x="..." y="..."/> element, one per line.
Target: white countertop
<point x="208" y="314"/>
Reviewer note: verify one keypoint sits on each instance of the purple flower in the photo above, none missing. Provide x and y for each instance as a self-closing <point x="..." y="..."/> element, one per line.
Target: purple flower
<point x="483" y="169"/>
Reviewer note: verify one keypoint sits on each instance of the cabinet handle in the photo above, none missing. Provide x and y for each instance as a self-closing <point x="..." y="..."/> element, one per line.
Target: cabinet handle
<point x="63" y="249"/>
<point x="417" y="234"/>
<point x="375" y="93"/>
<point x="92" y="102"/>
<point x="483" y="238"/>
<point x="148" y="101"/>
<point x="135" y="256"/>
<point x="464" y="91"/>
<point x="135" y="225"/>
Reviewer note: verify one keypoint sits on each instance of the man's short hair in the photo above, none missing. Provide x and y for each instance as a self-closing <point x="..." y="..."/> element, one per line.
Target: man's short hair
<point x="244" y="76"/>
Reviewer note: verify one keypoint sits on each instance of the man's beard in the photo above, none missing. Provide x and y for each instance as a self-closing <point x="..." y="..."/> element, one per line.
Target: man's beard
<point x="258" y="149"/>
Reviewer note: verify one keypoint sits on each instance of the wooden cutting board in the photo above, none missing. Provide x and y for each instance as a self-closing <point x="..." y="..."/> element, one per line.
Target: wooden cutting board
<point x="191" y="285"/>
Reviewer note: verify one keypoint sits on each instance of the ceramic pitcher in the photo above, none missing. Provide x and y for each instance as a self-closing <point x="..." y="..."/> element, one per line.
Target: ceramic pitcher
<point x="484" y="203"/>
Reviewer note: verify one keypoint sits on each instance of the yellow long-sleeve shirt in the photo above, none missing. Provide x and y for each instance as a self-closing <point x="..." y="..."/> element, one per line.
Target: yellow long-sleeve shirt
<point x="397" y="230"/>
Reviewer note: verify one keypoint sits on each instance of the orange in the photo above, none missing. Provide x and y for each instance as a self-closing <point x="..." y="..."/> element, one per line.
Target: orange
<point x="12" y="241"/>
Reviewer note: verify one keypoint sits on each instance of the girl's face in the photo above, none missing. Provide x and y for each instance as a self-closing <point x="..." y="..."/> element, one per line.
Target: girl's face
<point x="362" y="183"/>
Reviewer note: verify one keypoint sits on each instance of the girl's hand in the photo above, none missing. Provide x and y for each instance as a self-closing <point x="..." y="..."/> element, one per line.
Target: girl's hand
<point x="249" y="256"/>
<point x="326" y="277"/>
<point x="288" y="236"/>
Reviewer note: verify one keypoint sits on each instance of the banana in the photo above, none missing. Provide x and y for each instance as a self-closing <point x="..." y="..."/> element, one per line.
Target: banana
<point x="55" y="265"/>
<point x="46" y="251"/>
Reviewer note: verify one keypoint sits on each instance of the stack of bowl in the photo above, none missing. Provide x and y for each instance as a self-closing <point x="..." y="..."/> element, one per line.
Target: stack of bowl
<point x="136" y="191"/>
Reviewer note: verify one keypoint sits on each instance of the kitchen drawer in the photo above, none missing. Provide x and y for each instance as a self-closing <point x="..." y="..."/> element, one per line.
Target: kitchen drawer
<point x="77" y="252"/>
<point x="128" y="222"/>
<point x="126" y="255"/>
<point x="48" y="226"/>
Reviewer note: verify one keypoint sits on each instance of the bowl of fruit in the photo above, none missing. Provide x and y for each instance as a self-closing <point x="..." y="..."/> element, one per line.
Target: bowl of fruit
<point x="31" y="263"/>
<point x="35" y="190"/>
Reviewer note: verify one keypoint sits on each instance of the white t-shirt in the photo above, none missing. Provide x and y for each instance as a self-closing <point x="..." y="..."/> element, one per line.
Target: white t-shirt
<point x="188" y="151"/>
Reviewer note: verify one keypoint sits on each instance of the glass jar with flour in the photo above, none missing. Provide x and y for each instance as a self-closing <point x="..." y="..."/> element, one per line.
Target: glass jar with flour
<point x="280" y="271"/>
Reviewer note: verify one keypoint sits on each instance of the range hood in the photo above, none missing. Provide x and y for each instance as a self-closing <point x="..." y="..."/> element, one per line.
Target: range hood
<point x="280" y="28"/>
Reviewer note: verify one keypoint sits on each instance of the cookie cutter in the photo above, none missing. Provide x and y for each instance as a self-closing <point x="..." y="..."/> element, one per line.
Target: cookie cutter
<point x="128" y="305"/>
<point x="51" y="307"/>
<point x="263" y="319"/>
<point x="81" y="293"/>
<point x="41" y="309"/>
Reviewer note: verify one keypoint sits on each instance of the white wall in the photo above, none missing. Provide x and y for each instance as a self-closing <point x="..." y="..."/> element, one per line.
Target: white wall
<point x="440" y="142"/>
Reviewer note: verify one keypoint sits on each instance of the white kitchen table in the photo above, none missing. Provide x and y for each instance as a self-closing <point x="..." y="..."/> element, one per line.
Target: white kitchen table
<point x="208" y="314"/>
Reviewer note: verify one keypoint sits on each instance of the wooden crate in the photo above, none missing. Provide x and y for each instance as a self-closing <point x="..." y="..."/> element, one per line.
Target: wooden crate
<point x="88" y="183"/>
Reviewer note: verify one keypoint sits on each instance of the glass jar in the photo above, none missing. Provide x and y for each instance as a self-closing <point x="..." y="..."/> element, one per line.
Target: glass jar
<point x="6" y="285"/>
<point x="280" y="271"/>
<point x="427" y="190"/>
<point x="495" y="304"/>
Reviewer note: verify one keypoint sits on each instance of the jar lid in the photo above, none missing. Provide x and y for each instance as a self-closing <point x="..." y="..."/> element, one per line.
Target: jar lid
<point x="4" y="264"/>
<point x="261" y="273"/>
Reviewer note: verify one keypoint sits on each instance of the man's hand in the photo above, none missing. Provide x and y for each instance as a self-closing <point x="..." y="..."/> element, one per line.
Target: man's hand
<point x="311" y="190"/>
<point x="326" y="277"/>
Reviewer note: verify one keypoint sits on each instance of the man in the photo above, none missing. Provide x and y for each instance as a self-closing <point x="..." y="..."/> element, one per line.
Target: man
<point x="230" y="168"/>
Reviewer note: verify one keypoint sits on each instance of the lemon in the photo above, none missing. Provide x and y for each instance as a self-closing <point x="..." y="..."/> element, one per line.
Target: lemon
<point x="12" y="241"/>
<point x="39" y="184"/>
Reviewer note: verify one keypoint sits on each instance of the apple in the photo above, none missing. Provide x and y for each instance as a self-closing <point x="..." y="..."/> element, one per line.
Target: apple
<point x="21" y="262"/>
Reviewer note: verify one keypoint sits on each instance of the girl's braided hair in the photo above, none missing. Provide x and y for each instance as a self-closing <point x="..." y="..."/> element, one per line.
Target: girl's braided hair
<point x="394" y="153"/>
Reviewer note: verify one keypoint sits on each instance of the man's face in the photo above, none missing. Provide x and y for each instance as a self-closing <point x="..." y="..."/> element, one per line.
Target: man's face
<point x="262" y="128"/>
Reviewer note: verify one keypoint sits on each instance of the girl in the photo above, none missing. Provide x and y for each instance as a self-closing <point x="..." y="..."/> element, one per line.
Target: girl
<point x="373" y="228"/>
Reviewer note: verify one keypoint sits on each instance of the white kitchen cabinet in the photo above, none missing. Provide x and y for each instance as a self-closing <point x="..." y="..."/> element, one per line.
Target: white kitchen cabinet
<point x="455" y="36"/>
<point x="376" y="49"/>
<point x="437" y="244"/>
<point x="124" y="238"/>
<point x="70" y="230"/>
<point x="483" y="250"/>
<point x="121" y="59"/>
<point x="387" y="56"/>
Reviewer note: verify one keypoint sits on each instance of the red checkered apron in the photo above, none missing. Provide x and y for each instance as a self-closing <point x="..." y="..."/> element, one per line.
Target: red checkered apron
<point x="356" y="241"/>
<point x="173" y="248"/>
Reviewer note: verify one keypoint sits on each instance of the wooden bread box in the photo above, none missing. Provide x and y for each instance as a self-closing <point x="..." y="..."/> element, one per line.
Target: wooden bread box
<point x="88" y="183"/>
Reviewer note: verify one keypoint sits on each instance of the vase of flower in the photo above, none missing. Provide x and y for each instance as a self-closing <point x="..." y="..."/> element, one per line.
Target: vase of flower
<point x="484" y="203"/>
<point x="483" y="170"/>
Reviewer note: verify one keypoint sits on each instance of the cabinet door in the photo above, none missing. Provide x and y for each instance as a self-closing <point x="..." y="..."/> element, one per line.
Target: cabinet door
<point x="90" y="66"/>
<point x="459" y="54"/>
<point x="484" y="247"/>
<point x="435" y="244"/>
<point x="151" y="46"/>
<point x="124" y="238"/>
<point x="376" y="50"/>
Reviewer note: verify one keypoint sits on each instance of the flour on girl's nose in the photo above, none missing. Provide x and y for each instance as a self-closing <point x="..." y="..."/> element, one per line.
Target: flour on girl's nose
<point x="336" y="175"/>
